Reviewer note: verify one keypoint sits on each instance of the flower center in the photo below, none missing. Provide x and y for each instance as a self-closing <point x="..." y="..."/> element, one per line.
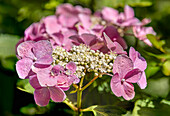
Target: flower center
<point x="85" y="59"/>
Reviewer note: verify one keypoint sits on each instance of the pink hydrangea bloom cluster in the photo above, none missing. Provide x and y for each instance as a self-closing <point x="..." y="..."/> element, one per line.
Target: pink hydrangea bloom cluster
<point x="55" y="50"/>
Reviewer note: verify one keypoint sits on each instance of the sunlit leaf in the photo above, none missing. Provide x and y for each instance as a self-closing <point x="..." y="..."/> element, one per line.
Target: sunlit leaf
<point x="156" y="43"/>
<point x="166" y="68"/>
<point x="24" y="85"/>
<point x="106" y="110"/>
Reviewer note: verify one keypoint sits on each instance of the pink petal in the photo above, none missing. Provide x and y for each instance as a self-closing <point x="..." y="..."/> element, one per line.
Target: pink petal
<point x="42" y="96"/>
<point x="34" y="82"/>
<point x="142" y="82"/>
<point x="43" y="51"/>
<point x="57" y="69"/>
<point x="113" y="34"/>
<point x="89" y="39"/>
<point x="118" y="49"/>
<point x="109" y="13"/>
<point x="24" y="49"/>
<point x="45" y="60"/>
<point x="68" y="20"/>
<point x="116" y="85"/>
<point x="128" y="92"/>
<point x="32" y="31"/>
<point x="23" y="67"/>
<point x="75" y="39"/>
<point x="122" y="65"/>
<point x="109" y="43"/>
<point x="133" y="76"/>
<point x="146" y="41"/>
<point x="85" y="20"/>
<point x="51" y="24"/>
<point x="132" y="54"/>
<point x="45" y="78"/>
<point x="57" y="94"/>
<point x="129" y="13"/>
<point x="130" y="22"/>
<point x="59" y="38"/>
<point x="140" y="62"/>
<point x="71" y="66"/>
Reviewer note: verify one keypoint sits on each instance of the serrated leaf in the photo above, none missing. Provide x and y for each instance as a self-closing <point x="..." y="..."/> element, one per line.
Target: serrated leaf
<point x="24" y="85"/>
<point x="166" y="68"/>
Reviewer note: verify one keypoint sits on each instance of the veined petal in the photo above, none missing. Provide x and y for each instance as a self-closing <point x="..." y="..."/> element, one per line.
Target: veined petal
<point x="128" y="92"/>
<point x="42" y="96"/>
<point x="34" y="82"/>
<point x="24" y="49"/>
<point x="122" y="65"/>
<point x="132" y="54"/>
<point x="140" y="62"/>
<point x="42" y="48"/>
<point x="133" y="76"/>
<point x="129" y="13"/>
<point x="23" y="67"/>
<point x="57" y="94"/>
<point x="71" y="66"/>
<point x="116" y="86"/>
<point x="45" y="78"/>
<point x="89" y="39"/>
<point x="142" y="82"/>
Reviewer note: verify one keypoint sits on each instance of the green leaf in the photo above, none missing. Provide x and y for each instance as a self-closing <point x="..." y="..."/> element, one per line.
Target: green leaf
<point x="7" y="45"/>
<point x="24" y="85"/>
<point x="142" y="103"/>
<point x="141" y="4"/>
<point x="106" y="110"/>
<point x="9" y="63"/>
<point x="155" y="42"/>
<point x="158" y="56"/>
<point x="33" y="109"/>
<point x="158" y="87"/>
<point x="7" y="50"/>
<point x="166" y="68"/>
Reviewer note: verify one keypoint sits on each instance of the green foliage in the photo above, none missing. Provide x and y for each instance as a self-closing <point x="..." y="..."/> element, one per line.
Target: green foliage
<point x="17" y="15"/>
<point x="107" y="110"/>
<point x="24" y="85"/>
<point x="158" y="87"/>
<point x="7" y="50"/>
<point x="155" y="42"/>
<point x="166" y="68"/>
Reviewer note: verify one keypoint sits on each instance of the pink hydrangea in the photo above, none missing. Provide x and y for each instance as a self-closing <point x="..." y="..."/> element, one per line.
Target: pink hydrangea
<point x="140" y="63"/>
<point x="37" y="54"/>
<point x="122" y="19"/>
<point x="88" y="39"/>
<point x="124" y="76"/>
<point x="58" y="75"/>
<point x="42" y="95"/>
<point x="68" y="14"/>
<point x="140" y="32"/>
<point x="112" y="47"/>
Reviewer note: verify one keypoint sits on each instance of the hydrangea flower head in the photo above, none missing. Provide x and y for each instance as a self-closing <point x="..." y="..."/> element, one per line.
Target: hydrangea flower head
<point x="124" y="76"/>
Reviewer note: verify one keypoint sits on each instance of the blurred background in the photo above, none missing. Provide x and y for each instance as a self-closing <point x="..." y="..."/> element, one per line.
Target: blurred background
<point x="17" y="15"/>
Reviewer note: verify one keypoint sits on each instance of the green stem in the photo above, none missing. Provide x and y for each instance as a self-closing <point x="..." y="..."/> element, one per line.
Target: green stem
<point x="88" y="84"/>
<point x="69" y="103"/>
<point x="79" y="95"/>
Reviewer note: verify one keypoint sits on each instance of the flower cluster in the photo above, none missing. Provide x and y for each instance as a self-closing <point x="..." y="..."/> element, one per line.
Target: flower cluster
<point x="57" y="51"/>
